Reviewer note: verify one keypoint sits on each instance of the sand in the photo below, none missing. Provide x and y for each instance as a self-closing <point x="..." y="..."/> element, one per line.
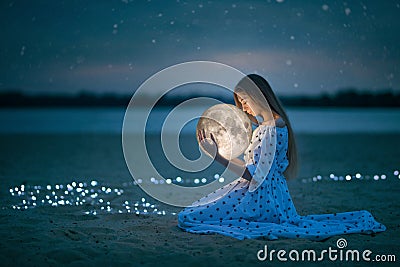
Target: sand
<point x="65" y="235"/>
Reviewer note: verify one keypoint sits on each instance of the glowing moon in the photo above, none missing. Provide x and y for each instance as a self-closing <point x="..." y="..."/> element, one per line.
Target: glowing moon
<point x="230" y="126"/>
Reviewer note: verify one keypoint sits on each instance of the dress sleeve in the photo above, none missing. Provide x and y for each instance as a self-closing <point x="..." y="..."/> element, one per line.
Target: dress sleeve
<point x="263" y="155"/>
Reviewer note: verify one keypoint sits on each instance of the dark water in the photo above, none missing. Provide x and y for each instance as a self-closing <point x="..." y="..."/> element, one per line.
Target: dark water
<point x="110" y="120"/>
<point x="73" y="157"/>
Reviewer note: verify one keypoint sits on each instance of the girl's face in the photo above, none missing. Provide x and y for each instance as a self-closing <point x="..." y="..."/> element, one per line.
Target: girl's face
<point x="247" y="104"/>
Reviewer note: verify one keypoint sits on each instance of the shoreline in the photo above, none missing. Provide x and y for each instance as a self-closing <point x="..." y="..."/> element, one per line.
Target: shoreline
<point x="100" y="156"/>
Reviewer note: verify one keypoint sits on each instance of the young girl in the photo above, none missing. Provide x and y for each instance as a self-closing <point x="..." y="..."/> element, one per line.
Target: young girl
<point x="258" y="204"/>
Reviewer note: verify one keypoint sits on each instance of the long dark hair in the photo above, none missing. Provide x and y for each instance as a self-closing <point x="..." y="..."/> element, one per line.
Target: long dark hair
<point x="268" y="100"/>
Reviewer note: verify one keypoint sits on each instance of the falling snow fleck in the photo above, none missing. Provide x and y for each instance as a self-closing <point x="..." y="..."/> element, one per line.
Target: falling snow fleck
<point x="325" y="7"/>
<point x="22" y="50"/>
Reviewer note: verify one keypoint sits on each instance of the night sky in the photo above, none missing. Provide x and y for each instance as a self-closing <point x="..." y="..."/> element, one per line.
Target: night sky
<point x="301" y="47"/>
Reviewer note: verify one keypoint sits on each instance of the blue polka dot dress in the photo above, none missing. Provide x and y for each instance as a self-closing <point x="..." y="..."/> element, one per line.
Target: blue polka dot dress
<point x="265" y="209"/>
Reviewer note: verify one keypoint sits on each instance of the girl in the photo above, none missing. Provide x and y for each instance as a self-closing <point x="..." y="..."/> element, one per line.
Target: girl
<point x="258" y="204"/>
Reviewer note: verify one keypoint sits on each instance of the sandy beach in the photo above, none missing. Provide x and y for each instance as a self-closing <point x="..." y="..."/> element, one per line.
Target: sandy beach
<point x="71" y="235"/>
<point x="89" y="89"/>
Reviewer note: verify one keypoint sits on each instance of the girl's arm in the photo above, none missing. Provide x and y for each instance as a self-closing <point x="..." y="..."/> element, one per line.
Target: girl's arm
<point x="238" y="161"/>
<point x="236" y="165"/>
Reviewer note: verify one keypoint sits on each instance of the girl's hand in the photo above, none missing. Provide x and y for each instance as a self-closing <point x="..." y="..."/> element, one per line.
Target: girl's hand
<point x="209" y="145"/>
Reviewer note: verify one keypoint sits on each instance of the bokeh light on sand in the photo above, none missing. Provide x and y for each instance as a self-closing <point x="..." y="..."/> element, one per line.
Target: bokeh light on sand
<point x="96" y="198"/>
<point x="92" y="196"/>
<point x="351" y="177"/>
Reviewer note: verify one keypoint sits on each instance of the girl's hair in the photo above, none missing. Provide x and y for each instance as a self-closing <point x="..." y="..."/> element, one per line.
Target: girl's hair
<point x="259" y="90"/>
